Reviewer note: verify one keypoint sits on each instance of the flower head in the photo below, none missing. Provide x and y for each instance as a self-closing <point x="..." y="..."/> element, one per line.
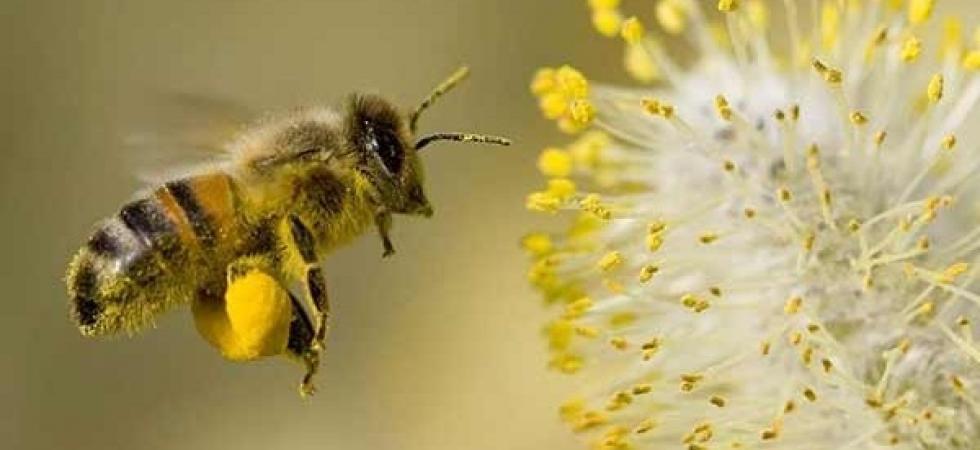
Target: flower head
<point x="777" y="243"/>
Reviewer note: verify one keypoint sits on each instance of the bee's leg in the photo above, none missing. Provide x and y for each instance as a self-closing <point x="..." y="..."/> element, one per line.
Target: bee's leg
<point x="382" y="219"/>
<point x="301" y="331"/>
<point x="316" y="290"/>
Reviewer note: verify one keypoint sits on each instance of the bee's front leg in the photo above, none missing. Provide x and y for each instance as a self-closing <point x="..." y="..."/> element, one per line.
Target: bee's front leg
<point x="382" y="219"/>
<point x="316" y="290"/>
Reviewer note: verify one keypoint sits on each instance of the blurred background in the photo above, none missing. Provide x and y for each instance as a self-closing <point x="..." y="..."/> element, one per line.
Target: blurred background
<point x="437" y="348"/>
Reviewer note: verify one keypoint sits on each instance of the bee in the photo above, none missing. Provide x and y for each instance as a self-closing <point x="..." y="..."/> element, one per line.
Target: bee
<point x="242" y="241"/>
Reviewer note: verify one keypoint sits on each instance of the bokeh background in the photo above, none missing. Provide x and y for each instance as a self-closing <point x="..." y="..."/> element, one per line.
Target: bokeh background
<point x="437" y="348"/>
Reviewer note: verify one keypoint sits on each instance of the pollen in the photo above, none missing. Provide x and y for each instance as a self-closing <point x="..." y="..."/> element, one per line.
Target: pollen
<point x="555" y="162"/>
<point x="759" y="240"/>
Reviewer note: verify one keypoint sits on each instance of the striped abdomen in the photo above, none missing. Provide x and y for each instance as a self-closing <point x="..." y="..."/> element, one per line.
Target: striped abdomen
<point x="153" y="254"/>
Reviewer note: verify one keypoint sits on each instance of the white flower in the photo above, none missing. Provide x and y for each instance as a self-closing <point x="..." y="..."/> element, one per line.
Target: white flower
<point x="776" y="246"/>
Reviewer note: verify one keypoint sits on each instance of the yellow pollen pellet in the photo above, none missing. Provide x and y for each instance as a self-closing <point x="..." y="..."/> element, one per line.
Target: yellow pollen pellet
<point x="728" y="5"/>
<point x="555" y="162"/>
<point x="632" y="31"/>
<point x="919" y="11"/>
<point x="610" y="261"/>
<point x="717" y="401"/>
<point x="553" y="105"/>
<point x="810" y="394"/>
<point x="571" y="82"/>
<point x="793" y="305"/>
<point x="911" y="49"/>
<point x="708" y="238"/>
<point x="647" y="272"/>
<point x="935" y="89"/>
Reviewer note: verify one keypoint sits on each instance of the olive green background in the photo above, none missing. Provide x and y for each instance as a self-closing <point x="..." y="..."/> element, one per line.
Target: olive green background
<point x="437" y="348"/>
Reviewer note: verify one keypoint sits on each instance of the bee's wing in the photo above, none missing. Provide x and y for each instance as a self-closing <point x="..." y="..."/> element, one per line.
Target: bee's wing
<point x="180" y="132"/>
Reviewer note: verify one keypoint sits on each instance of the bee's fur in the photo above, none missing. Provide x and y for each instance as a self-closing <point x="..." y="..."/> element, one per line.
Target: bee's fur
<point x="291" y="189"/>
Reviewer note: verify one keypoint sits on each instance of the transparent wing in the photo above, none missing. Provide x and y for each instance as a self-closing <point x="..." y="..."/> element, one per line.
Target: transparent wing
<point x="176" y="133"/>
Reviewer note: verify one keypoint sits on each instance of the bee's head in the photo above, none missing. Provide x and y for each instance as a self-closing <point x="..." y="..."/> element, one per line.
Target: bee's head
<point x="387" y="149"/>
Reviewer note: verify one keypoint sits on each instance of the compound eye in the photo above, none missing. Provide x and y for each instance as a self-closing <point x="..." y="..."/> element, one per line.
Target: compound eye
<point x="385" y="144"/>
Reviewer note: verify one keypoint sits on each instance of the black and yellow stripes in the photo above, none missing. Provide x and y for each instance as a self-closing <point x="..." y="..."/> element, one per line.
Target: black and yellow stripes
<point x="130" y="265"/>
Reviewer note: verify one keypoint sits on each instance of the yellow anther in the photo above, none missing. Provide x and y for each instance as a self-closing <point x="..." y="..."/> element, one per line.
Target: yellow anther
<point x="880" y="36"/>
<point x="571" y="82"/>
<point x="765" y="347"/>
<point x="622" y="319"/>
<point x="553" y="105"/>
<point x="672" y="16"/>
<point x="758" y="14"/>
<point x="641" y="389"/>
<point x="715" y="290"/>
<point x="952" y="272"/>
<point x="567" y="363"/>
<point x="707" y="238"/>
<point x="577" y="308"/>
<point x="537" y="244"/>
<point x="728" y="5"/>
<point x="858" y="118"/>
<point x="658" y="108"/>
<point x="779" y="115"/>
<point x="640" y="65"/>
<point x="784" y="195"/>
<point x="654" y="242"/>
<point x="829" y="25"/>
<point x="543" y="81"/>
<point x="749" y="213"/>
<point x="592" y="203"/>
<point x="554" y="162"/>
<point x="794" y="112"/>
<point x="807" y="356"/>
<point x="949" y="142"/>
<point x="647" y="272"/>
<point x="813" y="328"/>
<point x="619" y="343"/>
<point x="795" y="338"/>
<point x="935" y="89"/>
<point x="809" y="239"/>
<point x="920" y="10"/>
<point x="972" y="60"/>
<point x="644" y="426"/>
<point x="632" y="31"/>
<point x="657" y="226"/>
<point x="789" y="406"/>
<point x="590" y="420"/>
<point x="827" y="365"/>
<point x="610" y="261"/>
<point x="879" y="138"/>
<point x="618" y="401"/>
<point x="723" y="109"/>
<point x="854" y="225"/>
<point x="793" y="305"/>
<point x="543" y="202"/>
<point x="606" y="21"/>
<point x="581" y="112"/>
<point x="952" y="43"/>
<point x="695" y="303"/>
<point x="810" y="394"/>
<point x="911" y="49"/>
<point x="561" y="188"/>
<point x="587" y="332"/>
<point x="604" y="4"/>
<point x="957" y="382"/>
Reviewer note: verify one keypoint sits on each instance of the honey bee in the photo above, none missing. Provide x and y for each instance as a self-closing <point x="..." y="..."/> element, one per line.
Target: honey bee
<point x="236" y="240"/>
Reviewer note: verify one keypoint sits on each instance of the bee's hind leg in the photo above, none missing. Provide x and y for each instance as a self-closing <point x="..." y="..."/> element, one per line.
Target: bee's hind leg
<point x="315" y="286"/>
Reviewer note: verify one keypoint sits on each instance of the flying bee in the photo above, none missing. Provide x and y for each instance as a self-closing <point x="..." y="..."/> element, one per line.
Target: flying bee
<point x="232" y="240"/>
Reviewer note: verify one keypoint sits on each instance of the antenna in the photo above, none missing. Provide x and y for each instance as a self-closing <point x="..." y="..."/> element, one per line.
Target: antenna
<point x="461" y="137"/>
<point x="444" y="87"/>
